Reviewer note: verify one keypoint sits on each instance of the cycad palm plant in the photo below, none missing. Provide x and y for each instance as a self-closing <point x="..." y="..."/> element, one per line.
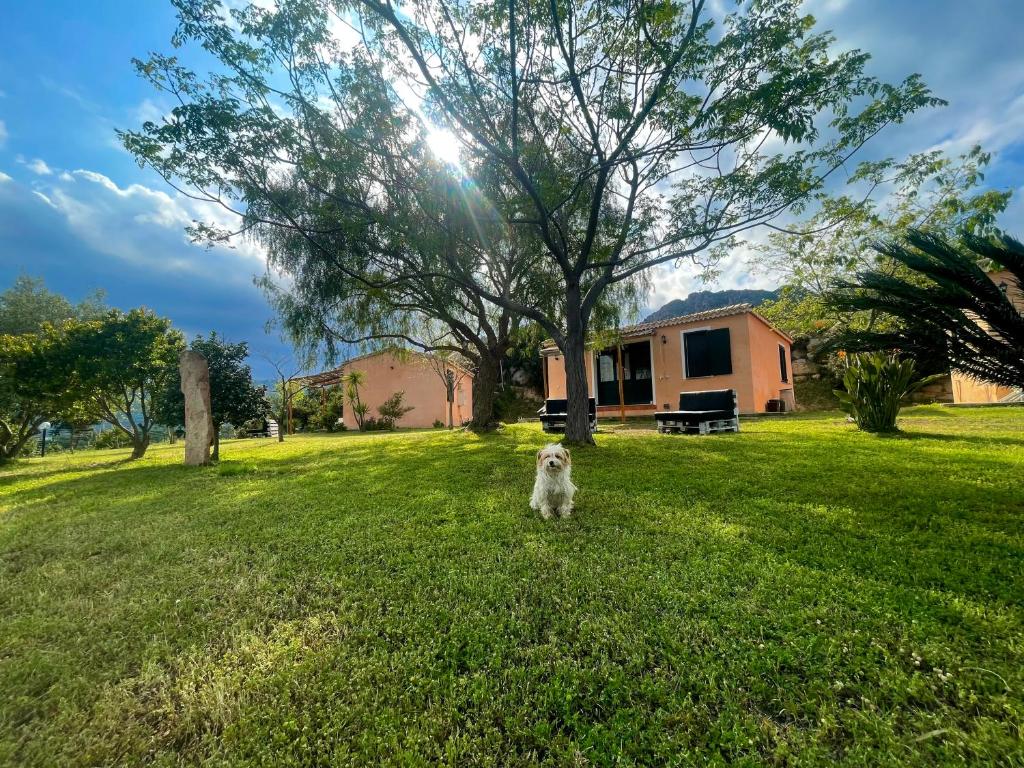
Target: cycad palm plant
<point x="875" y="385"/>
<point x="947" y="307"/>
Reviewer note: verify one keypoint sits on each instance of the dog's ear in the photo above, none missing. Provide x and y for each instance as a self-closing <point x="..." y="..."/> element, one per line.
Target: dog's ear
<point x="568" y="458"/>
<point x="539" y="454"/>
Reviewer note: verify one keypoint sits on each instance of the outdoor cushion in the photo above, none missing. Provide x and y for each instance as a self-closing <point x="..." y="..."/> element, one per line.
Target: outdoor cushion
<point x="554" y="412"/>
<point x="697" y="408"/>
<point x="558" y="407"/>
<point x="709" y="400"/>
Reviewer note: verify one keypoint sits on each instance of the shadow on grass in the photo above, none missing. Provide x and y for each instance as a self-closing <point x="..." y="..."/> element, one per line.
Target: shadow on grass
<point x="959" y="438"/>
<point x="406" y="584"/>
<point x="879" y="508"/>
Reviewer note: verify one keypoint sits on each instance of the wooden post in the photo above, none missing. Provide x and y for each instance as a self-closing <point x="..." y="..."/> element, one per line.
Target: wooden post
<point x="622" y="397"/>
<point x="544" y="373"/>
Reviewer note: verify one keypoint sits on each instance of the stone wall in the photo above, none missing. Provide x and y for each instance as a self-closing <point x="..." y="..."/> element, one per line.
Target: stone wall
<point x="805" y="367"/>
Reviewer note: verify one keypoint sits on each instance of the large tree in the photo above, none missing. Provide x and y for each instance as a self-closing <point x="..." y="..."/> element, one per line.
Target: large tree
<point x="396" y="285"/>
<point x="946" y="305"/>
<point x="930" y="192"/>
<point x="117" y="365"/>
<point x="234" y="398"/>
<point x="33" y="387"/>
<point x="28" y="305"/>
<point x="618" y="136"/>
<point x="33" y="361"/>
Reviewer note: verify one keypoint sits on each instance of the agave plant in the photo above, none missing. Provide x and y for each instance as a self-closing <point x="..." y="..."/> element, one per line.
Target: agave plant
<point x="875" y="385"/>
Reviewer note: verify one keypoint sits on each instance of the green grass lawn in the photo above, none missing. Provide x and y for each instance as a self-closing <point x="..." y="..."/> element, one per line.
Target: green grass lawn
<point x="799" y="593"/>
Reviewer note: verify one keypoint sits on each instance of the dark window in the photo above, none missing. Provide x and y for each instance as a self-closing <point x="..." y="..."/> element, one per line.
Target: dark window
<point x="782" y="363"/>
<point x="708" y="353"/>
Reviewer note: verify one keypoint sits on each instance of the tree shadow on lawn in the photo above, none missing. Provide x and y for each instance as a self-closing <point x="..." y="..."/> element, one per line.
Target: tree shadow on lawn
<point x="283" y="588"/>
<point x="948" y="520"/>
<point x="835" y="503"/>
<point x="906" y="434"/>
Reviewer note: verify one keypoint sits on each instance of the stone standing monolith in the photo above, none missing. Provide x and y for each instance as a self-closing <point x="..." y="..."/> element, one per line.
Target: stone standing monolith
<point x="195" y="385"/>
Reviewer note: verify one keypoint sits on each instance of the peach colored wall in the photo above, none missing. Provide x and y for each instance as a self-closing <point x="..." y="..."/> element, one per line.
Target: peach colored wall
<point x="755" y="376"/>
<point x="423" y="388"/>
<point x="669" y="380"/>
<point x="556" y="376"/>
<point x="764" y="352"/>
<point x="966" y="390"/>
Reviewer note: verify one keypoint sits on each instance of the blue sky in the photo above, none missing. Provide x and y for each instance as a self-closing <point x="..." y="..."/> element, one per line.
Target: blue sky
<point x="77" y="210"/>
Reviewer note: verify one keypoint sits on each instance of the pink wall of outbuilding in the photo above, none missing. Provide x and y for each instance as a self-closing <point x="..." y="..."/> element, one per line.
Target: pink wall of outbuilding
<point x="387" y="373"/>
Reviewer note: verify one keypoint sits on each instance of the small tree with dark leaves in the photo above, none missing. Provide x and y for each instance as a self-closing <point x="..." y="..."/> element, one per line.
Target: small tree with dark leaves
<point x="118" y="365"/>
<point x="393" y="409"/>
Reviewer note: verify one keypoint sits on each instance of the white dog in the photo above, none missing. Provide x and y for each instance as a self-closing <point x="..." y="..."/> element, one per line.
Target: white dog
<point x="553" y="490"/>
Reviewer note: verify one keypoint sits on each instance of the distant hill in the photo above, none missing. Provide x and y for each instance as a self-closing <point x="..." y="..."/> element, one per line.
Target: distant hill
<point x="699" y="301"/>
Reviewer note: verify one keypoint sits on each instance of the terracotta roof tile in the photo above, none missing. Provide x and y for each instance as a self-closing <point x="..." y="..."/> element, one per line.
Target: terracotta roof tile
<point x="644" y="329"/>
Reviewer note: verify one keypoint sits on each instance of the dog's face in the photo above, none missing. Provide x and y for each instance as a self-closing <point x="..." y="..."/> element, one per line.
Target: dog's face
<point x="553" y="458"/>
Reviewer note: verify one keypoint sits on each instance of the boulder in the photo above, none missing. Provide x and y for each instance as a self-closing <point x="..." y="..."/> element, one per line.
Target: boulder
<point x="195" y="386"/>
<point x="804" y="367"/>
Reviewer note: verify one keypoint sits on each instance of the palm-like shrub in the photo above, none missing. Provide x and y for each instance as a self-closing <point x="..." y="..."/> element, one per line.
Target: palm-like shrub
<point x="353" y="380"/>
<point x="875" y="385"/>
<point x="946" y="306"/>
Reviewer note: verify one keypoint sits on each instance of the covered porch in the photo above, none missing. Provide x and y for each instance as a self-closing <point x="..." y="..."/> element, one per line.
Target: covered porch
<point x="620" y="377"/>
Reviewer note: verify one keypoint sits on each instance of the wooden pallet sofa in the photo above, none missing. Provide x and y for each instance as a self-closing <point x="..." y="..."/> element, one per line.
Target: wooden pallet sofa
<point x="553" y="414"/>
<point x="714" y="410"/>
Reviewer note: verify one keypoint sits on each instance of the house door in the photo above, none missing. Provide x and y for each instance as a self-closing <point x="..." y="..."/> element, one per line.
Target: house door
<point x="637" y="380"/>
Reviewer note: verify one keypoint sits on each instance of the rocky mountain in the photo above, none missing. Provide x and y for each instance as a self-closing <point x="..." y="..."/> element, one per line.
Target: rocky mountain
<point x="699" y="301"/>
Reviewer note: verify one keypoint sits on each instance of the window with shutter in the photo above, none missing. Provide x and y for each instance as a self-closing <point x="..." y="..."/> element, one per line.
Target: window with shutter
<point x="707" y="353"/>
<point x="783" y="367"/>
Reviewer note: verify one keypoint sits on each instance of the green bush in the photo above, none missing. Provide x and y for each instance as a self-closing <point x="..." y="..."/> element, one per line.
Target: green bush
<point x="111" y="438"/>
<point x="875" y="385"/>
<point x="391" y="410"/>
<point x="438" y="424"/>
<point x="510" y="406"/>
<point x="330" y="409"/>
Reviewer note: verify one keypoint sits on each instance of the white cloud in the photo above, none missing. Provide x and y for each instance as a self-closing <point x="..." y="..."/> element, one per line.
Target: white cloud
<point x="3" y="133"/>
<point x="4" y="178"/>
<point x="39" y="167"/>
<point x="146" y="227"/>
<point x="148" y="111"/>
<point x="980" y="73"/>
<point x="345" y="33"/>
<point x="44" y="198"/>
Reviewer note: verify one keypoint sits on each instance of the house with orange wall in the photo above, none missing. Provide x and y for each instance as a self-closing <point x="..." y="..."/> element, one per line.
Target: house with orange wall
<point x="968" y="390"/>
<point x="729" y="348"/>
<point x="417" y="375"/>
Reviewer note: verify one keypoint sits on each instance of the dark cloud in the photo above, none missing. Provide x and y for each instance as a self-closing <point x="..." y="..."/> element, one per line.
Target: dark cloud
<point x="91" y="234"/>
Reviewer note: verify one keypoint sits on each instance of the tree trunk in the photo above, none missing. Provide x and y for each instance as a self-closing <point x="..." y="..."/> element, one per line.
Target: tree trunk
<point x="215" y="456"/>
<point x="10" y="445"/>
<point x="577" y="394"/>
<point x="485" y="390"/>
<point x="140" y="442"/>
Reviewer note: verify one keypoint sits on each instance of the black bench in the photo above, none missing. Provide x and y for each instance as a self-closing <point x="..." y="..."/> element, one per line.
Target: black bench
<point x="553" y="414"/>
<point x="260" y="429"/>
<point x="715" y="410"/>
